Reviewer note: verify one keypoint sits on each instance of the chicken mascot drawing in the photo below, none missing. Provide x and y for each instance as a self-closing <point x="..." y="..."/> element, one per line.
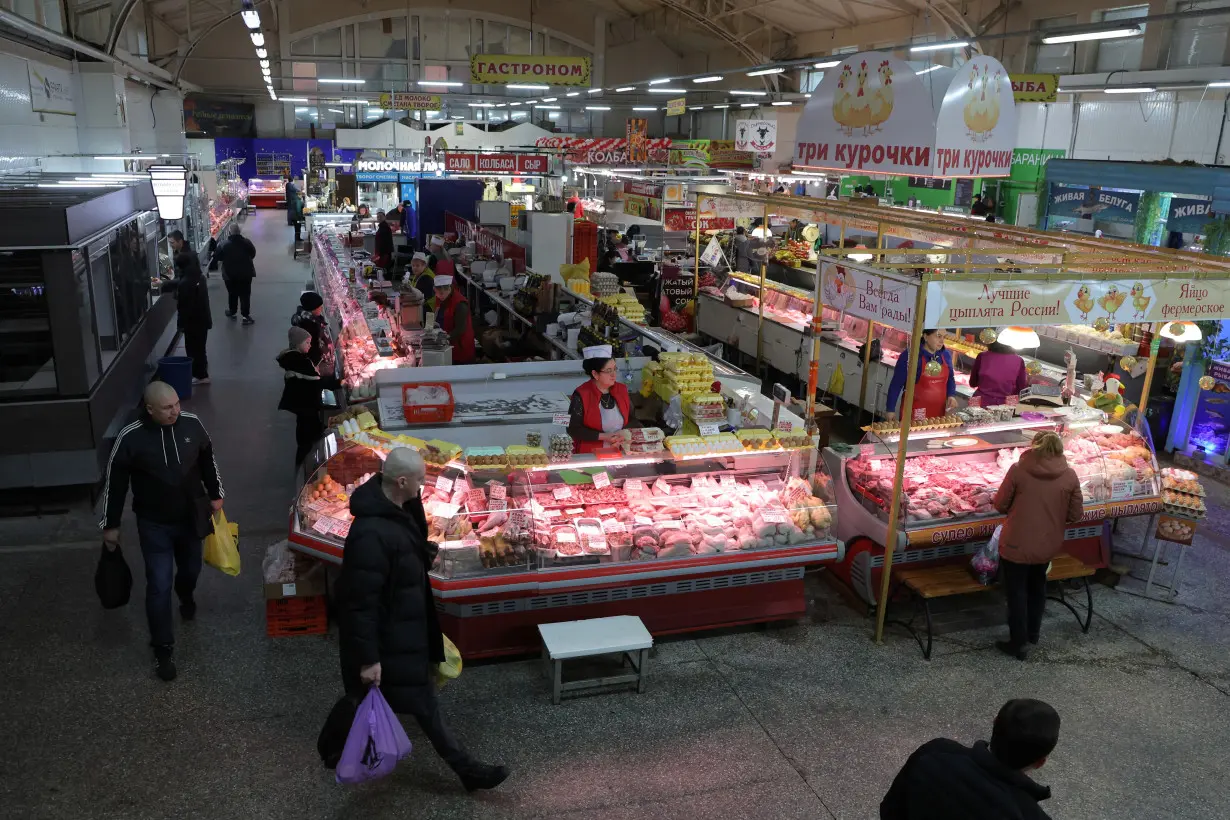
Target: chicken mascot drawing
<point x="1083" y="302"/>
<point x="1139" y="301"/>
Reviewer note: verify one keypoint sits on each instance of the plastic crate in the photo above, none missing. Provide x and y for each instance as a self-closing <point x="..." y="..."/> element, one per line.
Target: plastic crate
<point x="427" y="413"/>
<point x="306" y="615"/>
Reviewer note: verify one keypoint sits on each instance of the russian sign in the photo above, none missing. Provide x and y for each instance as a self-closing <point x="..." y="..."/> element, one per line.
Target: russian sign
<point x="395" y="165"/>
<point x="459" y="163"/>
<point x="756" y="135"/>
<point x="405" y="101"/>
<point x="51" y="89"/>
<point x="975" y="130"/>
<point x="603" y="150"/>
<point x="675" y="108"/>
<point x="871" y="113"/>
<point x="684" y="219"/>
<point x="1189" y="214"/>
<point x="494" y="69"/>
<point x="976" y="304"/>
<point x="642" y="199"/>
<point x="533" y="163"/>
<point x="1035" y="88"/>
<point x="1029" y="164"/>
<point x="868" y="294"/>
<point x="1093" y="203"/>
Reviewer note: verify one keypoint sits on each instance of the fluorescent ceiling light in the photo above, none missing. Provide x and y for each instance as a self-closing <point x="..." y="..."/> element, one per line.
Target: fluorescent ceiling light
<point x="668" y="91"/>
<point x="1140" y="89"/>
<point x="624" y="88"/>
<point x="549" y="107"/>
<point x="371" y="115"/>
<point x="940" y="46"/>
<point x="300" y="109"/>
<point x="442" y="83"/>
<point x="133" y="156"/>
<point x="501" y="105"/>
<point x="697" y="108"/>
<point x="341" y="80"/>
<point x="644" y="108"/>
<point x="782" y="102"/>
<point x="531" y="102"/>
<point x="64" y="185"/>
<point x="660" y="82"/>
<point x="573" y="94"/>
<point x="929" y="70"/>
<point x="746" y="93"/>
<point x="829" y="64"/>
<point x="258" y="39"/>
<point x="354" y="102"/>
<point x="1219" y="85"/>
<point x="549" y="99"/>
<point x="748" y="105"/>
<point x="457" y="118"/>
<point x="294" y="99"/>
<point x="597" y="108"/>
<point x="513" y="105"/>
<point x="337" y="111"/>
<point x="1104" y="34"/>
<point x="594" y="91"/>
<point x="261" y="53"/>
<point x="482" y="105"/>
<point x="764" y="71"/>
<point x="251" y="18"/>
<point x="529" y="87"/>
<point x="715" y="78"/>
<point x="723" y="105"/>
<point x="264" y="64"/>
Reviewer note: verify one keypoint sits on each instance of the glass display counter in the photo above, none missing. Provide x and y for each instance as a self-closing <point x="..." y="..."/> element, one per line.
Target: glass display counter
<point x="266" y="193"/>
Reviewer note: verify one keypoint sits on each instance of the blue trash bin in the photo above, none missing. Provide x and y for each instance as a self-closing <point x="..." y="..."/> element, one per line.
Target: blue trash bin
<point x="177" y="372"/>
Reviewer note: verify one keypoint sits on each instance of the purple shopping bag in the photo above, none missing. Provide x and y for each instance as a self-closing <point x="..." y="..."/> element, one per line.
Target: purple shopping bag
<point x="375" y="743"/>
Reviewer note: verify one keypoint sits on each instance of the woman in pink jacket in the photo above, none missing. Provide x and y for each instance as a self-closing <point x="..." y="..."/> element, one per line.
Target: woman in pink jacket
<point x="997" y="374"/>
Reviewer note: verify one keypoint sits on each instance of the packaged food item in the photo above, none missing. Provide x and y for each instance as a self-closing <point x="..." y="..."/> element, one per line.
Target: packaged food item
<point x="722" y="443"/>
<point x="520" y="455"/>
<point x="561" y="447"/>
<point x="792" y="439"/>
<point x="756" y="438"/>
<point x="533" y="439"/>
<point x="685" y="445"/>
<point x="486" y="457"/>
<point x="440" y="452"/>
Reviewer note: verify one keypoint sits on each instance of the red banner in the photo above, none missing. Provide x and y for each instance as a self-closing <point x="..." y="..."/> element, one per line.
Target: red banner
<point x="683" y="219"/>
<point x="496" y="163"/>
<point x="604" y="150"/>
<point x="459" y="163"/>
<point x="504" y="164"/>
<point x="486" y="243"/>
<point x="533" y="163"/>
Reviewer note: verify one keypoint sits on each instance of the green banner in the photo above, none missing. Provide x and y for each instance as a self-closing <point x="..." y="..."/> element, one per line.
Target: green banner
<point x="1029" y="164"/>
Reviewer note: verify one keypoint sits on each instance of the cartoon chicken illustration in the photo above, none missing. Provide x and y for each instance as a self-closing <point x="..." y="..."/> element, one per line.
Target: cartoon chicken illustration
<point x="860" y="105"/>
<point x="841" y="102"/>
<point x="882" y="98"/>
<point x="981" y="109"/>
<point x="1112" y="301"/>
<point x="1140" y="301"/>
<point x="1083" y="302"/>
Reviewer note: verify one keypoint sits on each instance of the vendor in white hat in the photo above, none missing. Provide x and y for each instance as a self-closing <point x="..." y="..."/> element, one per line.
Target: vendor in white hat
<point x="601" y="406"/>
<point x="453" y="317"/>
<point x="423" y="278"/>
<point x="435" y="250"/>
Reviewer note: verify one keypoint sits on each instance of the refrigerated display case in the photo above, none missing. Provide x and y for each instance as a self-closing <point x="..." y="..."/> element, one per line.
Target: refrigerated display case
<point x="266" y="193"/>
<point x="953" y="472"/>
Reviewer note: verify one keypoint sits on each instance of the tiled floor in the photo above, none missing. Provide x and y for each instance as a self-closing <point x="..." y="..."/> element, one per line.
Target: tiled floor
<point x="808" y="721"/>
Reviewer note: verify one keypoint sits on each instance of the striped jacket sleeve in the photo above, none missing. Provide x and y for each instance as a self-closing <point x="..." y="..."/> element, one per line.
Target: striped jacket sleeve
<point x="210" y="475"/>
<point x="115" y="483"/>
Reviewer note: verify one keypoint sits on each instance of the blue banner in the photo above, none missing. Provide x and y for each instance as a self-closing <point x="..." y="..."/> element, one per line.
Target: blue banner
<point x="376" y="176"/>
<point x="1091" y="203"/>
<point x="1188" y="214"/>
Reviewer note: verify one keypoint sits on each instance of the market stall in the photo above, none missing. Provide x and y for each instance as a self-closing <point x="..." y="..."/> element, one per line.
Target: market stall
<point x="266" y="192"/>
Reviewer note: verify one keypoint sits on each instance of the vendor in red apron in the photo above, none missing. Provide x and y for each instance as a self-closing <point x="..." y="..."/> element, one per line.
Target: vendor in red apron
<point x="453" y="317"/>
<point x="600" y="407"/>
<point x="935" y="388"/>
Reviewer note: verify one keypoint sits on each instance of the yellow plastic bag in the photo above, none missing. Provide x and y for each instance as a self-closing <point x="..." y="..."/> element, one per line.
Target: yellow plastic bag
<point x="222" y="547"/>
<point x="451" y="668"/>
<point x="837" y="382"/>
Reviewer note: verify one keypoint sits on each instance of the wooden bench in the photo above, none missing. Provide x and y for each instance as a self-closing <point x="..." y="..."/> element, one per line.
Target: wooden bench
<point x="927" y="583"/>
<point x="618" y="635"/>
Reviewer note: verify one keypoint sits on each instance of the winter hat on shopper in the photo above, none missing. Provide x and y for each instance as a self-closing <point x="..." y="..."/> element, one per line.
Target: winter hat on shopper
<point x="310" y="300"/>
<point x="297" y="336"/>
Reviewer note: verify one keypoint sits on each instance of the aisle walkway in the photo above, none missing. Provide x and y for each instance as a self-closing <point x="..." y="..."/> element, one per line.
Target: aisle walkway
<point x="809" y="721"/>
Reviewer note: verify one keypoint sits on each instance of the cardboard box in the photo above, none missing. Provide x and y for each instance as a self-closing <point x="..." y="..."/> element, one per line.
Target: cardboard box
<point x="300" y="588"/>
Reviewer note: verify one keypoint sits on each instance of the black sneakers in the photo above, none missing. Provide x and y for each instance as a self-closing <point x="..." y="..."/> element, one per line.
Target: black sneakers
<point x="247" y="320"/>
<point x="476" y="776"/>
<point x="164" y="663"/>
<point x="230" y="314"/>
<point x="1009" y="648"/>
<point x="187" y="609"/>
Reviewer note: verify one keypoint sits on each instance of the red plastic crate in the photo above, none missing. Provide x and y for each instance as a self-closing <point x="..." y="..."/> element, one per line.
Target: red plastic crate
<point x="296" y="616"/>
<point x="427" y="413"/>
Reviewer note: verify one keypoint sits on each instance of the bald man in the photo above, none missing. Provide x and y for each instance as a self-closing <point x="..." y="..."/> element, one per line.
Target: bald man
<point x="167" y="457"/>
<point x="388" y="634"/>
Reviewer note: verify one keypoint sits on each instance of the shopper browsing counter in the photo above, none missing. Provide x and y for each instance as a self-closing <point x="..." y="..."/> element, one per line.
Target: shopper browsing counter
<point x="935" y="387"/>
<point x="600" y="407"/>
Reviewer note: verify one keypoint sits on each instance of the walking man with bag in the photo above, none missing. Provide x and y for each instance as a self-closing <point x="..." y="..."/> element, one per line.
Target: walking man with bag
<point x="236" y="255"/>
<point x="167" y="457"/>
<point x="388" y="634"/>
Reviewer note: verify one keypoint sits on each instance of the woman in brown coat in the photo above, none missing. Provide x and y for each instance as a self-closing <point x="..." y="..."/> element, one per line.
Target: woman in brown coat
<point x="1041" y="496"/>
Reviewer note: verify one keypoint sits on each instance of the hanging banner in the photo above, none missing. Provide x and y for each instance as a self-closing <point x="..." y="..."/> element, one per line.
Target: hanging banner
<point x="496" y="69"/>
<point x="51" y="90"/>
<point x="1189" y="214"/>
<point x="722" y="154"/>
<point x="1029" y="164"/>
<point x="675" y="108"/>
<point x="638" y="140"/>
<point x="533" y="164"/>
<point x="403" y="101"/>
<point x="1211" y="421"/>
<point x="677" y="299"/>
<point x="603" y="150"/>
<point x="975" y="130"/>
<point x="871" y="113"/>
<point x="210" y="118"/>
<point x="689" y="153"/>
<point x="1093" y="203"/>
<point x="1035" y="88"/>
<point x="756" y="135"/>
<point x="684" y="219"/>
<point x="642" y="199"/>
<point x="976" y="304"/>
<point x="868" y="294"/>
<point x="733" y="208"/>
<point x="459" y="163"/>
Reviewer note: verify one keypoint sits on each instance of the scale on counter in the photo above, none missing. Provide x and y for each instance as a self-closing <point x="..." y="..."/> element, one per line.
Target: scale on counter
<point x="1042" y="394"/>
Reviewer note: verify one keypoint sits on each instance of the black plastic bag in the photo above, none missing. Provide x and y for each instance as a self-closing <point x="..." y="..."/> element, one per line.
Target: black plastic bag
<point x="113" y="578"/>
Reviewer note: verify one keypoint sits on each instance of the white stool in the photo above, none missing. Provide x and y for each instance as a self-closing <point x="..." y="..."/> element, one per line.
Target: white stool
<point x="622" y="634"/>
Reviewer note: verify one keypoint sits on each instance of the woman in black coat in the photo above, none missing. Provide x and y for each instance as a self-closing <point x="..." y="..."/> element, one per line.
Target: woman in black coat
<point x="301" y="391"/>
<point x="194" y="317"/>
<point x="382" y="256"/>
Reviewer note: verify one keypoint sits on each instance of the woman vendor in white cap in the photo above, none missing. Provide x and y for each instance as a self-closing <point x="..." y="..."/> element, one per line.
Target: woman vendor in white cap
<point x="453" y="317"/>
<point x="601" y="406"/>
<point x="423" y="278"/>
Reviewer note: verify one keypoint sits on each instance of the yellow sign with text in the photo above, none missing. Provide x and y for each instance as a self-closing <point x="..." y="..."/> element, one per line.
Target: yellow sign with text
<point x="403" y="101"/>
<point x="675" y="108"/>
<point x="1036" y="88"/>
<point x="492" y="69"/>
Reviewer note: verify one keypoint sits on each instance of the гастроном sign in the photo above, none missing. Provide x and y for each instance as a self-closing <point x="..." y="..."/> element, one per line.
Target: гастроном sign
<point x="491" y="69"/>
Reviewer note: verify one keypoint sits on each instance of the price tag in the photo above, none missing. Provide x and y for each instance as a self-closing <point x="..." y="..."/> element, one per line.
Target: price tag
<point x="1125" y="488"/>
<point x="288" y="590"/>
<point x="773" y="516"/>
<point x="634" y="485"/>
<point x="726" y="480"/>
<point x="875" y="465"/>
<point x="340" y="528"/>
<point x="316" y="505"/>
<point x="661" y="487"/>
<point x="322" y="525"/>
<point x="498" y="504"/>
<point x="975" y="401"/>
<point x="518" y="518"/>
<point x="444" y="485"/>
<point x="709" y="429"/>
<point x="785" y="426"/>
<point x="561" y="419"/>
<point x="496" y="490"/>
<point x="461" y="486"/>
<point x="1012" y="401"/>
<point x="575" y="512"/>
<point x="614" y="526"/>
<point x="601" y="481"/>
<point x="605" y="511"/>
<point x="470" y="543"/>
<point x="757" y="485"/>
<point x="670" y="525"/>
<point x="562" y="493"/>
<point x="643" y="521"/>
<point x="475" y="500"/>
<point x="550" y="513"/>
<point x="920" y="414"/>
<point x="445" y="510"/>
<point x="565" y="538"/>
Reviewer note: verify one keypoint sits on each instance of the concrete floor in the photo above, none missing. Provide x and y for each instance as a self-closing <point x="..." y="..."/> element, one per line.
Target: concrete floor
<point x="807" y="721"/>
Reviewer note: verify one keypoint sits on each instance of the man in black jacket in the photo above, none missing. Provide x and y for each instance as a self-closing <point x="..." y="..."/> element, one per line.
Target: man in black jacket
<point x="944" y="780"/>
<point x="301" y="392"/>
<point x="311" y="317"/>
<point x="193" y="314"/>
<point x="167" y="457"/>
<point x="236" y="255"/>
<point x="388" y="634"/>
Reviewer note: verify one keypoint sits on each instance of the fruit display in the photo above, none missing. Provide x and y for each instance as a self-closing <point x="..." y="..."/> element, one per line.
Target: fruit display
<point x="791" y="253"/>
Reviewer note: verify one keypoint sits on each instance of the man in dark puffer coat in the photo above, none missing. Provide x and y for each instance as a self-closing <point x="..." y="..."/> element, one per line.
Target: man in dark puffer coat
<point x="388" y="633"/>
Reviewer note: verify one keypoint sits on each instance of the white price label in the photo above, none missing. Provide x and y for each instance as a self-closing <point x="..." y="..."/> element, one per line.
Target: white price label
<point x="875" y="464"/>
<point x="605" y="511"/>
<point x="470" y="543"/>
<point x="561" y="419"/>
<point x="634" y="485"/>
<point x="518" y="518"/>
<point x="601" y="481"/>
<point x="644" y="521"/>
<point x="726" y="480"/>
<point x="774" y="516"/>
<point x="461" y="486"/>
<point x="785" y="426"/>
<point x="920" y="414"/>
<point x="565" y="538"/>
<point x="322" y="525"/>
<point x="575" y="512"/>
<point x="496" y="490"/>
<point x="757" y="485"/>
<point x="661" y="487"/>
<point x="498" y="504"/>
<point x="614" y="526"/>
<point x="670" y="525"/>
<point x="708" y="429"/>
<point x="1125" y="488"/>
<point x="562" y="493"/>
<point x="444" y="484"/>
<point x="288" y="590"/>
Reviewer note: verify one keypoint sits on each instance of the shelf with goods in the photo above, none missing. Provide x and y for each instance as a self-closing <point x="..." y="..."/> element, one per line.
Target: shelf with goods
<point x="531" y="533"/>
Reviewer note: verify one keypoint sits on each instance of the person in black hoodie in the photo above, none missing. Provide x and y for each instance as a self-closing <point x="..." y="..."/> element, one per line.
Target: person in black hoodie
<point x="382" y="249"/>
<point x="167" y="457"/>
<point x="944" y="780"/>
<point x="238" y="271"/>
<point x="310" y="316"/>
<point x="194" y="318"/>
<point x="301" y="391"/>
<point x="388" y="633"/>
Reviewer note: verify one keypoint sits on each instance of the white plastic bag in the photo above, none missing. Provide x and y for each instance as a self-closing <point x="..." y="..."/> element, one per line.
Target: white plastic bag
<point x="985" y="563"/>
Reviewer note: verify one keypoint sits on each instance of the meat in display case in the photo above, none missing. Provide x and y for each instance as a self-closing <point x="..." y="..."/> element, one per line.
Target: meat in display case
<point x="951" y="476"/>
<point x="266" y="193"/>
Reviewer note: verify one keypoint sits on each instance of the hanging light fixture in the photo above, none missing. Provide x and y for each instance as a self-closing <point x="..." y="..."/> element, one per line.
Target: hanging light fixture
<point x="861" y="257"/>
<point x="1019" y="338"/>
<point x="251" y="18"/>
<point x="1182" y="332"/>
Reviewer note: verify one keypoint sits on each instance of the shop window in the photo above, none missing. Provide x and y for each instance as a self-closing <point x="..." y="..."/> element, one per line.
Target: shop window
<point x="476" y="36"/>
<point x="495" y="41"/>
<point x="322" y="44"/>
<point x="433" y="38"/>
<point x="306" y="116"/>
<point x="458" y="37"/>
<point x="1059" y="58"/>
<point x="518" y="40"/>
<point x="1199" y="41"/>
<point x="1123" y="54"/>
<point x="130" y="280"/>
<point x="27" y="362"/>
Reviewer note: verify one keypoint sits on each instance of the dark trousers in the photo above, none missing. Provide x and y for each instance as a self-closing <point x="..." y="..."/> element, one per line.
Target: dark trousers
<point x="172" y="555"/>
<point x="421" y="702"/>
<point x="1025" y="586"/>
<point x="308" y="430"/>
<point x="298" y="231"/>
<point x="194" y="347"/>
<point x="239" y="295"/>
